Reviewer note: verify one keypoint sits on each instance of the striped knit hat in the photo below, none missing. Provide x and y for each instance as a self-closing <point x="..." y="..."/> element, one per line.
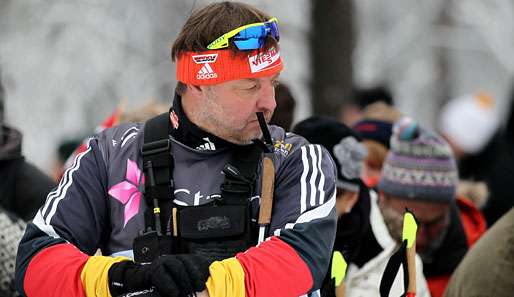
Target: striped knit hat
<point x="420" y="165"/>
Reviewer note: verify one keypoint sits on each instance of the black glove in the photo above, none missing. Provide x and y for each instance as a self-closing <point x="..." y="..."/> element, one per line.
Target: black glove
<point x="328" y="287"/>
<point x="171" y="275"/>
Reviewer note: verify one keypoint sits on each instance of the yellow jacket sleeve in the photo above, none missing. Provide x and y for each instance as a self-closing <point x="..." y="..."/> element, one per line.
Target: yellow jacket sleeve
<point x="227" y="279"/>
<point x="95" y="275"/>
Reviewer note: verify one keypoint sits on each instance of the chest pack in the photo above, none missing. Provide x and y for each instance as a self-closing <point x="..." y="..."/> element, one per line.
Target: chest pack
<point x="218" y="229"/>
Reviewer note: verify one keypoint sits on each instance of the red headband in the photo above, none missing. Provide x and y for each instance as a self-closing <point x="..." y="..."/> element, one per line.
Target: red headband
<point x="217" y="66"/>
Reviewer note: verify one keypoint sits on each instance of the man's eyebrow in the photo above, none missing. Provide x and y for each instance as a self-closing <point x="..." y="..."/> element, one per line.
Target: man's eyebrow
<point x="254" y="79"/>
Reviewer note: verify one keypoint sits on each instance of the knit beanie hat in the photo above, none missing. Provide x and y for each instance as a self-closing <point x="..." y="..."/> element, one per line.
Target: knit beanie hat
<point x="343" y="144"/>
<point x="420" y="165"/>
<point x="470" y="121"/>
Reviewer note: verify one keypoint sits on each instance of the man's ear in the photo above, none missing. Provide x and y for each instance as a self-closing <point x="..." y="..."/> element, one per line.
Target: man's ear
<point x="352" y="199"/>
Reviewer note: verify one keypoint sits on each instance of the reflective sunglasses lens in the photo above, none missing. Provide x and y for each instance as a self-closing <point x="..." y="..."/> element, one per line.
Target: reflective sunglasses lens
<point x="249" y="44"/>
<point x="252" y="32"/>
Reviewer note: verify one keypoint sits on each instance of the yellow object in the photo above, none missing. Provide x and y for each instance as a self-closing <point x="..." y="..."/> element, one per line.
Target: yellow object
<point x="227" y="279"/>
<point x="95" y="275"/>
<point x="222" y="41"/>
<point x="410" y="227"/>
<point x="156" y="210"/>
<point x="338" y="267"/>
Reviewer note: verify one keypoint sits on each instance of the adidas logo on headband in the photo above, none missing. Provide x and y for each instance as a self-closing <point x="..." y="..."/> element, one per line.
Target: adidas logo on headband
<point x="206" y="71"/>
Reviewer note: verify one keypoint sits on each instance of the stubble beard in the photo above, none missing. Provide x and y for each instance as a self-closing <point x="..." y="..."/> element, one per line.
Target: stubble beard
<point x="231" y="134"/>
<point x="210" y="117"/>
<point x="394" y="222"/>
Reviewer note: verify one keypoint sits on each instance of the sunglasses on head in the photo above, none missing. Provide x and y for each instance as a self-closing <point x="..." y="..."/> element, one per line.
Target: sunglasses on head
<point x="248" y="37"/>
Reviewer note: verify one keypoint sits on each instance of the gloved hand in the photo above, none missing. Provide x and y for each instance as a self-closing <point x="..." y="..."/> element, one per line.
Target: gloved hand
<point x="171" y="275"/>
<point x="328" y="288"/>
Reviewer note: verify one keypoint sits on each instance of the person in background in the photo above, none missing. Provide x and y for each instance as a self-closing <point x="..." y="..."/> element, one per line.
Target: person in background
<point x="284" y="113"/>
<point x="376" y="128"/>
<point x="485" y="155"/>
<point x="420" y="173"/>
<point x="362" y="236"/>
<point x="23" y="186"/>
<point x="475" y="152"/>
<point x="352" y="110"/>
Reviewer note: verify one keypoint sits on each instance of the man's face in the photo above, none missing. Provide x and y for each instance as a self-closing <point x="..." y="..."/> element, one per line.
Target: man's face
<point x="433" y="220"/>
<point x="345" y="201"/>
<point x="227" y="110"/>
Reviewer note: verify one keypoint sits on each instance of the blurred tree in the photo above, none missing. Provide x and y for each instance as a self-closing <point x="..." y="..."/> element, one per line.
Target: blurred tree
<point x="332" y="43"/>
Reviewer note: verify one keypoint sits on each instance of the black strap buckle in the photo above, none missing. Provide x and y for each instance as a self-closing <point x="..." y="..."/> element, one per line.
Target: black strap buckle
<point x="156" y="147"/>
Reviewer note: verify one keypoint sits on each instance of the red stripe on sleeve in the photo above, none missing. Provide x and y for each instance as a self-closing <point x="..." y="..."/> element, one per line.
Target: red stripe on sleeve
<point x="274" y="269"/>
<point x="55" y="271"/>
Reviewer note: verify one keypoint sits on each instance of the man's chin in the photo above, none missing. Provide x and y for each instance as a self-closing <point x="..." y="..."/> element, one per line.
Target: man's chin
<point x="248" y="138"/>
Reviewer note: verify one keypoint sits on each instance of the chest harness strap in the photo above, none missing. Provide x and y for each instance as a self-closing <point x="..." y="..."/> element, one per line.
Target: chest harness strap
<point x="218" y="229"/>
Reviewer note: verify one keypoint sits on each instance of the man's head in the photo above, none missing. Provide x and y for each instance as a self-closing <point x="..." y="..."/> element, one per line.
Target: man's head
<point x="376" y="129"/>
<point x="420" y="174"/>
<point x="345" y="148"/>
<point x="227" y="67"/>
<point x="353" y="110"/>
<point x="376" y="135"/>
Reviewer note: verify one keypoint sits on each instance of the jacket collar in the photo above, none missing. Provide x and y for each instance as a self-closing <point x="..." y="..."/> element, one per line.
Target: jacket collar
<point x="188" y="133"/>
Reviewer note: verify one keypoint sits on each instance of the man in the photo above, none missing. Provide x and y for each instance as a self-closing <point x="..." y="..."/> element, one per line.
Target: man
<point x="228" y="62"/>
<point x="376" y="128"/>
<point x="361" y="236"/>
<point x="23" y="187"/>
<point x="352" y="110"/>
<point x="420" y="173"/>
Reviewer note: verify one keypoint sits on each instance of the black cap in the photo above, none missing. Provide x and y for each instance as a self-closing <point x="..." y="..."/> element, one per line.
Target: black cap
<point x="367" y="96"/>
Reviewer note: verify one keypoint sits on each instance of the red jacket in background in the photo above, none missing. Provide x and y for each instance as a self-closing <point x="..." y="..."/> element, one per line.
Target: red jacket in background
<point x="474" y="226"/>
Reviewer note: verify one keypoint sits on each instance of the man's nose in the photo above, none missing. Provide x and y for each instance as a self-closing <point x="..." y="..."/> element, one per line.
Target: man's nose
<point x="266" y="100"/>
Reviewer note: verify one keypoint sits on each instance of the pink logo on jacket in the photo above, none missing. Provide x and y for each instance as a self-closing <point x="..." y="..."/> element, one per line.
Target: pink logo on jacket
<point x="127" y="192"/>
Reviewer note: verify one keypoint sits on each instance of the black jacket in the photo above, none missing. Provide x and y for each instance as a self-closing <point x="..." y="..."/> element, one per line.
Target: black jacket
<point x="23" y="186"/>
